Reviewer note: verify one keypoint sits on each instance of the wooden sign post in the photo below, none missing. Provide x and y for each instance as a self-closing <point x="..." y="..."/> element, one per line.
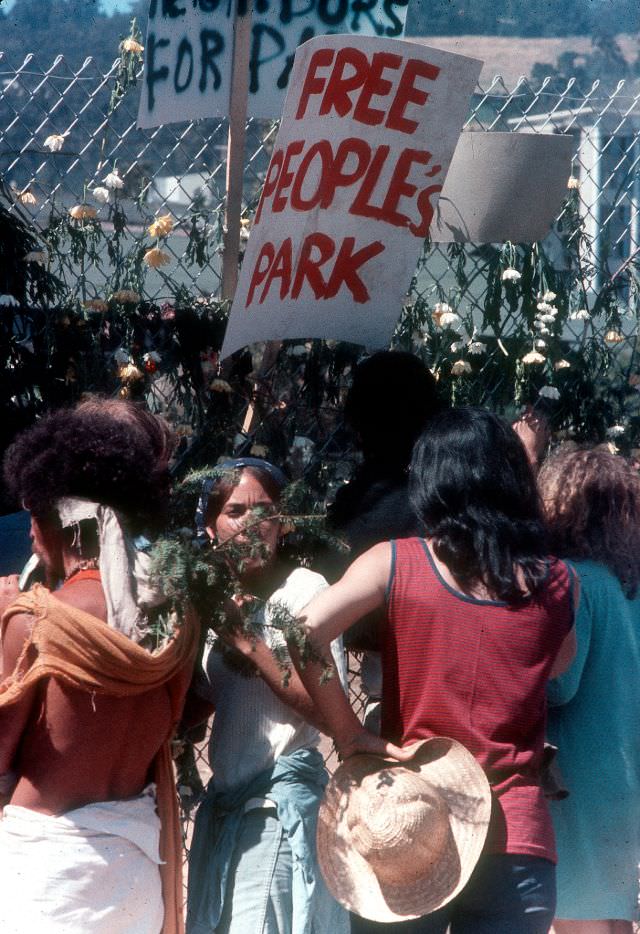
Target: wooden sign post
<point x="236" y="147"/>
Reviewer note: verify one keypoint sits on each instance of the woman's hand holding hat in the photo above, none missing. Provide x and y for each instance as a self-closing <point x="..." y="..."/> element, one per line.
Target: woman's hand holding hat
<point x="368" y="743"/>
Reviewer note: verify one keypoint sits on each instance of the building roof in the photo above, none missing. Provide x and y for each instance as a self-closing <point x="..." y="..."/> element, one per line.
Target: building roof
<point x="512" y="57"/>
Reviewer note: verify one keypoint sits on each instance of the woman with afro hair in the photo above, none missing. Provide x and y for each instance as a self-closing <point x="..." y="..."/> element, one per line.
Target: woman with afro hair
<point x="89" y="837"/>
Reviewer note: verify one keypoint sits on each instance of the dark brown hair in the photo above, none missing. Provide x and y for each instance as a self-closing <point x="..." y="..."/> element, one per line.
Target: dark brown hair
<point x="110" y="452"/>
<point x="591" y="499"/>
<point x="224" y="487"/>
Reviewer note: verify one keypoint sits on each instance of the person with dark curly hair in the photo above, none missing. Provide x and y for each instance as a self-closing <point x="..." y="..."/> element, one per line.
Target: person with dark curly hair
<point x="478" y="617"/>
<point x="592" y="502"/>
<point x="89" y="839"/>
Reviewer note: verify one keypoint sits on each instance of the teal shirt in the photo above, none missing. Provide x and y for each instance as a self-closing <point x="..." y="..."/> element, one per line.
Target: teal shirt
<point x="593" y="719"/>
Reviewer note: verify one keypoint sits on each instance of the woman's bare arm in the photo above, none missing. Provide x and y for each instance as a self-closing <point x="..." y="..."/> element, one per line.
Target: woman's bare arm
<point x="361" y="590"/>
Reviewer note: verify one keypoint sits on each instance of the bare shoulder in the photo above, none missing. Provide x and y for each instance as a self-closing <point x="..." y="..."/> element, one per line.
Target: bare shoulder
<point x="376" y="561"/>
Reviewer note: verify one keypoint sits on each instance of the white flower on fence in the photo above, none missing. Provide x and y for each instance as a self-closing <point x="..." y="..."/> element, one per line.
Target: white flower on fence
<point x="580" y="315"/>
<point x="533" y="357"/>
<point x="459" y="367"/>
<point x="449" y="319"/>
<point x="54" y="143"/>
<point x="561" y="365"/>
<point x="113" y="180"/>
<point x="549" y="392"/>
<point x="101" y="194"/>
<point x="546" y="309"/>
<point x="614" y="337"/>
<point x="476" y="347"/>
<point x="511" y="275"/>
<point x="8" y="301"/>
<point x="548" y="297"/>
<point x="573" y="184"/>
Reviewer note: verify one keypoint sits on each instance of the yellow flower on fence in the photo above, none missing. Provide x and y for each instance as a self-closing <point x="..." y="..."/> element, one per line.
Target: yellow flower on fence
<point x="130" y="45"/>
<point x="156" y="258"/>
<point x="26" y="197"/>
<point x="161" y="226"/>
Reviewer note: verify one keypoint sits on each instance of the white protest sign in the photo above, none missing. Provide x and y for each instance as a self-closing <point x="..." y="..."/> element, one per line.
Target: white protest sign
<point x="367" y="134"/>
<point x="503" y="186"/>
<point x="189" y="50"/>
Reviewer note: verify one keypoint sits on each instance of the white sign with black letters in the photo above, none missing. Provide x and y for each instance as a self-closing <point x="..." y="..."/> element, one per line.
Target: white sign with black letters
<point x="189" y="50"/>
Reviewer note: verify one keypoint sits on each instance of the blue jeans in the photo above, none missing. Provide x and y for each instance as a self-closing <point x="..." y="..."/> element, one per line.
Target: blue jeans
<point x="506" y="894"/>
<point x="258" y="899"/>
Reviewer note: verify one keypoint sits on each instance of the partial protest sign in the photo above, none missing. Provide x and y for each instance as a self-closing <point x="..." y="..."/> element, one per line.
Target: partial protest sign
<point x="367" y="135"/>
<point x="189" y="50"/>
<point x="503" y="186"/>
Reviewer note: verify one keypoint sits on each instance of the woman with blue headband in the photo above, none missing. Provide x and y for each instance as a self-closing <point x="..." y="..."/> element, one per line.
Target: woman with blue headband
<point x="252" y="867"/>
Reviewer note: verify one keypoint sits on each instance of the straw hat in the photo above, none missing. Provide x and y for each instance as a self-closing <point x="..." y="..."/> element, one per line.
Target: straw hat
<point x="397" y="840"/>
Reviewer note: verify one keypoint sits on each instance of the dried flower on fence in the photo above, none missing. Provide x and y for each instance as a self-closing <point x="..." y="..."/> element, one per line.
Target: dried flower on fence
<point x="459" y="367"/>
<point x="26" y="197"/>
<point x="131" y="46"/>
<point x="113" y="180"/>
<point x="533" y="357"/>
<point x="511" y="275"/>
<point x="96" y="304"/>
<point x="126" y="297"/>
<point x="82" y="212"/>
<point x="161" y="226"/>
<point x="54" y="143"/>
<point x="101" y="194"/>
<point x="156" y="258"/>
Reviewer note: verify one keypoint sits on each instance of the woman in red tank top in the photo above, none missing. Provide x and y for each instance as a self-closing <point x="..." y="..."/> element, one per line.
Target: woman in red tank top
<point x="479" y="617"/>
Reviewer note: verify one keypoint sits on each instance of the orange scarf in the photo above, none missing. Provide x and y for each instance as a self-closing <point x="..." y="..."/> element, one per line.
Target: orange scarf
<point x="84" y="653"/>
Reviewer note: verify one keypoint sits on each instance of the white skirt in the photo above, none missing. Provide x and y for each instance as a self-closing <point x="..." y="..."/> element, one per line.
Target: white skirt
<point x="92" y="871"/>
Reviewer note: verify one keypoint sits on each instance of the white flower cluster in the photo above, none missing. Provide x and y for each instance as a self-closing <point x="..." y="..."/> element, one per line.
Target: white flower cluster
<point x="445" y="317"/>
<point x="511" y="275"/>
<point x="545" y="315"/>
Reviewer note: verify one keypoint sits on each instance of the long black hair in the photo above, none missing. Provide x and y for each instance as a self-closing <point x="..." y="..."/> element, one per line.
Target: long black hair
<point x="475" y="493"/>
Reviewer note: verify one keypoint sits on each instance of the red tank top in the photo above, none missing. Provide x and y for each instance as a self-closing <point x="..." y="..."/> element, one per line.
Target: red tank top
<point x="476" y="671"/>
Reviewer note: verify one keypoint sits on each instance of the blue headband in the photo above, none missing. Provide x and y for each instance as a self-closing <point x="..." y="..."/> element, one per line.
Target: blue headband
<point x="232" y="463"/>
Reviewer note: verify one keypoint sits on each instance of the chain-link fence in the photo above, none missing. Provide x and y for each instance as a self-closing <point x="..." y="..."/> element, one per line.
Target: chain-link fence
<point x="63" y="131"/>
